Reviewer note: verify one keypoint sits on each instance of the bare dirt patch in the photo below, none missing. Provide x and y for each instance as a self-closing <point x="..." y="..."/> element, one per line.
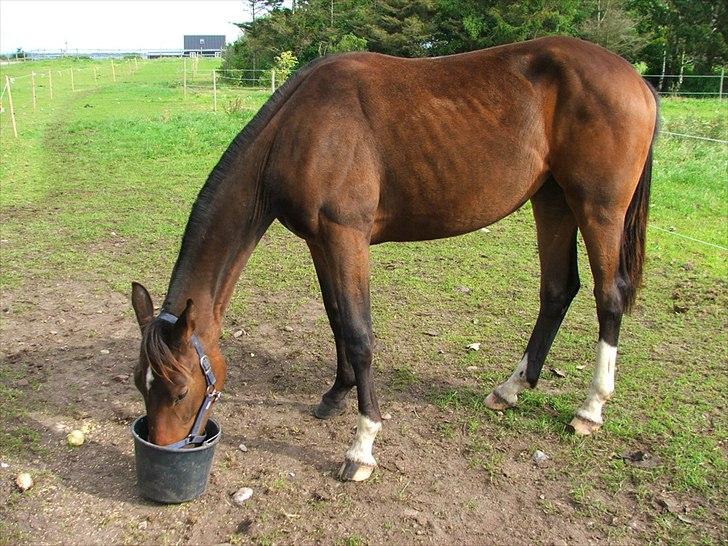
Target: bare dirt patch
<point x="67" y="354"/>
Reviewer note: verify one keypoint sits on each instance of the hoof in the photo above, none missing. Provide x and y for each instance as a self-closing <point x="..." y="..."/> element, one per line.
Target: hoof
<point x="354" y="472"/>
<point x="496" y="403"/>
<point x="326" y="411"/>
<point x="583" y="427"/>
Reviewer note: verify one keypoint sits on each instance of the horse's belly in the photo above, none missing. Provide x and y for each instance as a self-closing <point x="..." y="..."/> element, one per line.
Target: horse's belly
<point x="416" y="207"/>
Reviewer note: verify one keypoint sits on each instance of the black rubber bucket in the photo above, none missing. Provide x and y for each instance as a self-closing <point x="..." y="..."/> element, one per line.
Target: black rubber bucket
<point x="172" y="475"/>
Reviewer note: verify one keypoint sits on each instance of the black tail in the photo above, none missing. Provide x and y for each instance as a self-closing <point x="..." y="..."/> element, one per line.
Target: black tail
<point x="632" y="254"/>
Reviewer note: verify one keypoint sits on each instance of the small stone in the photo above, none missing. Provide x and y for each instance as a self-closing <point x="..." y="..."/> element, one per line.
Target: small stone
<point x="242" y="495"/>
<point x="4" y="465"/>
<point x="75" y="438"/>
<point x="24" y="481"/>
<point x="539" y="457"/>
<point x="288" y="329"/>
<point x="485" y="230"/>
<point x="473" y="347"/>
<point x="472" y="368"/>
<point x="252" y="354"/>
<point x="243" y="448"/>
<point x="238" y="333"/>
<point x="580" y="367"/>
<point x="54" y="332"/>
<point x="143" y="525"/>
<point x="387" y="416"/>
<point x="121" y="378"/>
<point x="105" y="351"/>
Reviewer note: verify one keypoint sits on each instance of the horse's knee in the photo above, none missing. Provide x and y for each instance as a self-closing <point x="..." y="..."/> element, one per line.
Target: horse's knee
<point x="359" y="348"/>
<point x="555" y="300"/>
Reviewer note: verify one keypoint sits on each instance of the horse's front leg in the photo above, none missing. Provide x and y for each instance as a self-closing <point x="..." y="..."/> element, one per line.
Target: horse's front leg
<point x="346" y="252"/>
<point x="333" y="401"/>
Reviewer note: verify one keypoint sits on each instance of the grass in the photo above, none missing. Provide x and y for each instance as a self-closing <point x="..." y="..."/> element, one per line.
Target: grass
<point x="101" y="181"/>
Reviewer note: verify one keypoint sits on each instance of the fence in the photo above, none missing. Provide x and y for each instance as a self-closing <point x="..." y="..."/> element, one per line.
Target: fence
<point x="708" y="85"/>
<point x="46" y="86"/>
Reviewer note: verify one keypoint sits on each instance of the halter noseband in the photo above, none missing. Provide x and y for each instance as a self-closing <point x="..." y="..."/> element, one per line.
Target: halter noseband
<point x="211" y="396"/>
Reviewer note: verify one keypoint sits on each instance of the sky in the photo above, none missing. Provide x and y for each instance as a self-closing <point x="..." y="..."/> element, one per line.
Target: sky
<point x="114" y="24"/>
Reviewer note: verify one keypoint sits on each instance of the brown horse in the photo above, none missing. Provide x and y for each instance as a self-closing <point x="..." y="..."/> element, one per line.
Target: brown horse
<point x="362" y="148"/>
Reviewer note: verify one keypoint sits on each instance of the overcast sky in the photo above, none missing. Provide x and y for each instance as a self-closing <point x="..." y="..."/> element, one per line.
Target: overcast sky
<point x="114" y="24"/>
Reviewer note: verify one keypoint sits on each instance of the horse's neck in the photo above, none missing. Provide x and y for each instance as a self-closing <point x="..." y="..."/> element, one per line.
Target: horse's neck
<point x="226" y="223"/>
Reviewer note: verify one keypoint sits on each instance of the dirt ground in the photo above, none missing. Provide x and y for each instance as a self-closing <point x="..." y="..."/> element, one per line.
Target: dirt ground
<point x="73" y="346"/>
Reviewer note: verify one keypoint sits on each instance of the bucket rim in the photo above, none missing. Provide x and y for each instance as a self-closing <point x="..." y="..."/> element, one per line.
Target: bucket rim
<point x="207" y="445"/>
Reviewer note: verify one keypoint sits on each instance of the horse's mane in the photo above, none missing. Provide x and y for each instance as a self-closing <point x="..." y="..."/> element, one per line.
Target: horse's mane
<point x="157" y="351"/>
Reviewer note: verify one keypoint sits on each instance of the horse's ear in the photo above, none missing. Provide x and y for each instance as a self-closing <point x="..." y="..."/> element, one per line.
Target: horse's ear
<point x="185" y="325"/>
<point x="141" y="301"/>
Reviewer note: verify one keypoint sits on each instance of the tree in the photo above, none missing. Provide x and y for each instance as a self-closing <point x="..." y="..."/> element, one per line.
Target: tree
<point x="612" y="26"/>
<point x="400" y="27"/>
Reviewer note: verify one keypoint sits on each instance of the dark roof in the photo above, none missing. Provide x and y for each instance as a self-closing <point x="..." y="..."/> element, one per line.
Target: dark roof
<point x="204" y="41"/>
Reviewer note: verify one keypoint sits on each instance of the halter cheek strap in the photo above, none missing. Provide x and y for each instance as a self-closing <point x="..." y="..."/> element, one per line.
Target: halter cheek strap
<point x="211" y="395"/>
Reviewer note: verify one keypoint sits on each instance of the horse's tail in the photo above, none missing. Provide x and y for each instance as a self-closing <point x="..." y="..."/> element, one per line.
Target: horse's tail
<point x="632" y="253"/>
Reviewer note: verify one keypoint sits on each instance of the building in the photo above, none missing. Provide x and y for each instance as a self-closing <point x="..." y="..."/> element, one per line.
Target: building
<point x="206" y="45"/>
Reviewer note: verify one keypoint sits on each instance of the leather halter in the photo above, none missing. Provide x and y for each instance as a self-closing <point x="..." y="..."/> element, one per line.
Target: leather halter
<point x="211" y="395"/>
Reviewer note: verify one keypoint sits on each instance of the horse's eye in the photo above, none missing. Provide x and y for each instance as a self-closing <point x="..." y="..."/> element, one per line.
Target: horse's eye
<point x="181" y="395"/>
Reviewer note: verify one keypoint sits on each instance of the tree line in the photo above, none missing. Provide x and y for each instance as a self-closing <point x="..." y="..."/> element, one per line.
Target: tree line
<point x="659" y="36"/>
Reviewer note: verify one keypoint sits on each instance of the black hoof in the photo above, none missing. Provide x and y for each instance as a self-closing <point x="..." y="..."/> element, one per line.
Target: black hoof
<point x="325" y="410"/>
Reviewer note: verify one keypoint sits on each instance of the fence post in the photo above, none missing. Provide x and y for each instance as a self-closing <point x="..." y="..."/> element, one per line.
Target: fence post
<point x="214" y="90"/>
<point x="50" y="83"/>
<point x="184" y="79"/>
<point x="113" y="70"/>
<point x="73" y="85"/>
<point x="10" y="102"/>
<point x="722" y="76"/>
<point x="272" y="80"/>
<point x="32" y="81"/>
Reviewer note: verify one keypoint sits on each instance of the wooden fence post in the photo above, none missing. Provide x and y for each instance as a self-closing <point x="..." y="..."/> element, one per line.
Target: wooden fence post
<point x="10" y="102"/>
<point x="50" y="83"/>
<point x="214" y="90"/>
<point x="32" y="81"/>
<point x="184" y="79"/>
<point x="113" y="70"/>
<point x="73" y="85"/>
<point x="272" y="80"/>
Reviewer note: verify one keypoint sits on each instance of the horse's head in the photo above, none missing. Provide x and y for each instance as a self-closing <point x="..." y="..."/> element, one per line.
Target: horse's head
<point x="168" y="373"/>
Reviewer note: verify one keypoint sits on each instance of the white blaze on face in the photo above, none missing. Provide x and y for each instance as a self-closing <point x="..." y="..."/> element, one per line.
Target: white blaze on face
<point x="150" y="378"/>
<point x="602" y="385"/>
<point x="509" y="390"/>
<point x="361" y="450"/>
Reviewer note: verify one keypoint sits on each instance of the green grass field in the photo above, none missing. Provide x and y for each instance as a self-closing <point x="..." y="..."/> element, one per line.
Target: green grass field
<point x="100" y="182"/>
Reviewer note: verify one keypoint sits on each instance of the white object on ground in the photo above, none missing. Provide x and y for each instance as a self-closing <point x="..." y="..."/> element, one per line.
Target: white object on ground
<point x="24" y="481"/>
<point x="75" y="438"/>
<point x="241" y="495"/>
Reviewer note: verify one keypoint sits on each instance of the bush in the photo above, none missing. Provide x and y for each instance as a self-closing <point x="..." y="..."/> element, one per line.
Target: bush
<point x="284" y="65"/>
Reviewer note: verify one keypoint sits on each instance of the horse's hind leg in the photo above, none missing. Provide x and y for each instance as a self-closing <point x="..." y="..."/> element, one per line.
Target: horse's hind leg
<point x="602" y="227"/>
<point x="346" y="254"/>
<point x="556" y="230"/>
<point x="332" y="402"/>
